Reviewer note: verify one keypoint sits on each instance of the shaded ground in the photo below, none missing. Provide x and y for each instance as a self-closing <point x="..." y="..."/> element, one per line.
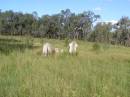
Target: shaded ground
<point x="9" y="45"/>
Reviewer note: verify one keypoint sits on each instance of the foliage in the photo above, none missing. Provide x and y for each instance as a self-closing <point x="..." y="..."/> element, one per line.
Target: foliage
<point x="122" y="32"/>
<point x="101" y="32"/>
<point x="96" y="47"/>
<point x="66" y="42"/>
<point x="54" y="26"/>
<point x="65" y="24"/>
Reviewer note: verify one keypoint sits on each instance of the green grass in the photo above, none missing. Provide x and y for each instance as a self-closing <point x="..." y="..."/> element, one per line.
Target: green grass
<point x="25" y="72"/>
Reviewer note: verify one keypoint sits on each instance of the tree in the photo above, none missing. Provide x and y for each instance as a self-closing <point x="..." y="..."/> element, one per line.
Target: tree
<point x="86" y="21"/>
<point x="122" y="32"/>
<point x="101" y="32"/>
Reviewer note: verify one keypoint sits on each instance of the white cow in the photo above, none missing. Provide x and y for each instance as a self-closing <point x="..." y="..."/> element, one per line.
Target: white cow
<point x="48" y="49"/>
<point x="72" y="47"/>
<point x="57" y="50"/>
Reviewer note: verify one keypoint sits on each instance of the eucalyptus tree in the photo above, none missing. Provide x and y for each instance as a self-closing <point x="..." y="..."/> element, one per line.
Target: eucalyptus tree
<point x="122" y="31"/>
<point x="101" y="32"/>
<point x="35" y="24"/>
<point x="65" y="20"/>
<point x="86" y="21"/>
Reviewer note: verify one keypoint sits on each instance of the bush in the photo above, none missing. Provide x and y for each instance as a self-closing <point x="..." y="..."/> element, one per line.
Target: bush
<point x="66" y="42"/>
<point x="29" y="41"/>
<point x="96" y="46"/>
<point x="105" y="46"/>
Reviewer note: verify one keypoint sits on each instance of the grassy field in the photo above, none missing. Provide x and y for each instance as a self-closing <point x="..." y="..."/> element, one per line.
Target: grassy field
<point x="25" y="72"/>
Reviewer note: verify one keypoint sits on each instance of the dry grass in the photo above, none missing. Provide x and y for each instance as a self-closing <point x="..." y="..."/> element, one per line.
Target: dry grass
<point x="104" y="73"/>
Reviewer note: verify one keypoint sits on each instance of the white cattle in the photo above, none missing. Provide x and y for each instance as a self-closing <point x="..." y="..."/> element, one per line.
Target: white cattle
<point x="48" y="49"/>
<point x="72" y="47"/>
<point x="57" y="50"/>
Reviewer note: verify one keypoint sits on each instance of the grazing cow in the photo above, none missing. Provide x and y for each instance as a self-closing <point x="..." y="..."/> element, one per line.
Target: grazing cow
<point x="48" y="49"/>
<point x="72" y="47"/>
<point x="57" y="50"/>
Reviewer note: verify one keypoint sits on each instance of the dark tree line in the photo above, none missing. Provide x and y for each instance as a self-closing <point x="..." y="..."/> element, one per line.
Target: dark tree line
<point x="65" y="25"/>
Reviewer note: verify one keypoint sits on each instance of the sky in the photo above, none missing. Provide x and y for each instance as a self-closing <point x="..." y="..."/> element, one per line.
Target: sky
<point x="110" y="10"/>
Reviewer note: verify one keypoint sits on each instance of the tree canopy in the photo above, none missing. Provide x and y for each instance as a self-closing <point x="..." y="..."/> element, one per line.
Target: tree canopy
<point x="65" y="24"/>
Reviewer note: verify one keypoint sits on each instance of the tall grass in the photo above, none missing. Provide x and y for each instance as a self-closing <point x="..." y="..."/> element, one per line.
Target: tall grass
<point x="90" y="74"/>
